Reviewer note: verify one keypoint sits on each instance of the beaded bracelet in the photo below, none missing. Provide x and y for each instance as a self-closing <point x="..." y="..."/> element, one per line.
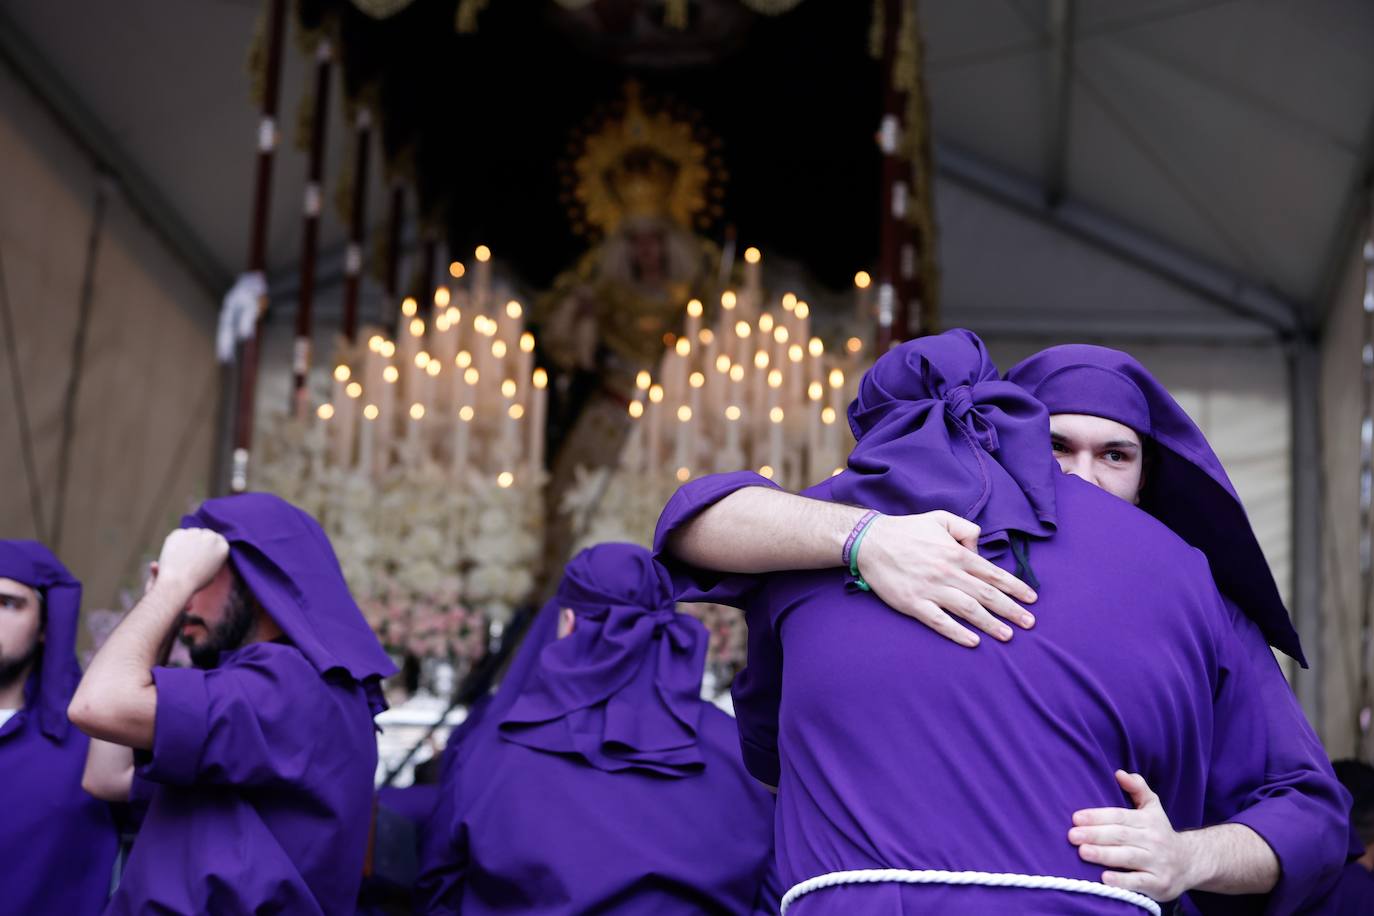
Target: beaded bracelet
<point x="850" y="555"/>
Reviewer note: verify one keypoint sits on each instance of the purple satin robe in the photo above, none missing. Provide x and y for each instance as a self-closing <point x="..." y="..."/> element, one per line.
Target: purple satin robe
<point x="263" y="766"/>
<point x="1301" y="813"/>
<point x="893" y="747"/>
<point x="604" y="784"/>
<point x="263" y="773"/>
<point x="57" y="843"/>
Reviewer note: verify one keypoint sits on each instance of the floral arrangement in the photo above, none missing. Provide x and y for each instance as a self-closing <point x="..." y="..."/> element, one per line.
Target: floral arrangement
<point x="432" y="557"/>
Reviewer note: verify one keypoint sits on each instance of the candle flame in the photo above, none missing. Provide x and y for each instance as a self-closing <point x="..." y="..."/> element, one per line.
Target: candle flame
<point x="766" y="322"/>
<point x="527" y="342"/>
<point x="789" y="301"/>
<point x="409" y="306"/>
<point x="696" y="380"/>
<point x="541" y="378"/>
<point x="836" y="378"/>
<point x="728" y="299"/>
<point x="722" y="363"/>
<point x="736" y="373"/>
<point x="505" y="479"/>
<point x="643" y="380"/>
<point x="761" y="359"/>
<point x="508" y="388"/>
<point x="498" y="349"/>
<point x="775" y="414"/>
<point x="694" y="308"/>
<point x="732" y="412"/>
<point x="815" y="391"/>
<point x="853" y="345"/>
<point x="683" y="346"/>
<point x="442" y="297"/>
<point x="341" y="373"/>
<point x="325" y="412"/>
<point x="684" y="413"/>
<point x="354" y="390"/>
<point x="371" y="411"/>
<point x="483" y="253"/>
<point x="862" y="280"/>
<point x="472" y="376"/>
<point x="656" y="393"/>
<point x="828" y="416"/>
<point x="513" y="309"/>
<point x="456" y="270"/>
<point x="466" y="413"/>
<point x="752" y="255"/>
<point x="683" y="474"/>
<point x="463" y="359"/>
<point x="417" y="327"/>
<point x="766" y="471"/>
<point x="815" y="346"/>
<point x="516" y="411"/>
<point x="417" y="411"/>
<point x="636" y="409"/>
<point x="774" y="378"/>
<point x="391" y="374"/>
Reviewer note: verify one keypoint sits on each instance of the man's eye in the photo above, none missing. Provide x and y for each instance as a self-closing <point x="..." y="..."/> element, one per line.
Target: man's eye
<point x="1116" y="457"/>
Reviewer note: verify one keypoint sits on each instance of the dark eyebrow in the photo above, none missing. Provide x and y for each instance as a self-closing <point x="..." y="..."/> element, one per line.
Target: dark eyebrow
<point x="10" y="593"/>
<point x="1120" y="444"/>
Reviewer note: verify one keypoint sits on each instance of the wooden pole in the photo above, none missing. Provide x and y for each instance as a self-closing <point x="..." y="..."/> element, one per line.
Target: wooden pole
<point x="896" y="184"/>
<point x="257" y="243"/>
<point x="353" y="257"/>
<point x="310" y="231"/>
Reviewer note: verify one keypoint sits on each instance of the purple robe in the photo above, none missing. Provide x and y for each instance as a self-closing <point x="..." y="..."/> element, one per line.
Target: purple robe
<point x="1301" y="812"/>
<point x="895" y="748"/>
<point x="597" y="780"/>
<point x="57" y="844"/>
<point x="264" y="765"/>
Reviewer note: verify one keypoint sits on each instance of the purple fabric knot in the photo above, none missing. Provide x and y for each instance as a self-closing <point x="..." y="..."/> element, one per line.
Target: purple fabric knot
<point x="622" y="690"/>
<point x="959" y="402"/>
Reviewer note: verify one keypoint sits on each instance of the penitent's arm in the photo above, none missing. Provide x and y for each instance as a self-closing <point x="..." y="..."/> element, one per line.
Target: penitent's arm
<point x="116" y="700"/>
<point x="925" y="566"/>
<point x="109" y="774"/>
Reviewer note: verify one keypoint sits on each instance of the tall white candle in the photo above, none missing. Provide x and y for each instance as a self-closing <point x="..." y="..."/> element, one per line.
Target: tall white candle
<point x="539" y="396"/>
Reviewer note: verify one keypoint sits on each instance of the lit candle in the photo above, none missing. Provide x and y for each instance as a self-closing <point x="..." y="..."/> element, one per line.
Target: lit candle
<point x="693" y="324"/>
<point x="654" y="428"/>
<point x="345" y="418"/>
<point x="863" y="302"/>
<point x="481" y="282"/>
<point x="753" y="275"/>
<point x="538" y="411"/>
<point x="524" y="364"/>
<point x="366" y="440"/>
<point x="413" y="431"/>
<point x="386" y="408"/>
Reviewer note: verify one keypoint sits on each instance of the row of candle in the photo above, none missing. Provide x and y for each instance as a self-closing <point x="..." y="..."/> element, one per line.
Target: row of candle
<point x="458" y="389"/>
<point x="752" y="391"/>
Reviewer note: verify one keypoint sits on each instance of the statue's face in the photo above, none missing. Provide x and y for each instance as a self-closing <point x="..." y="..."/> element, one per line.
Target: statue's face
<point x="649" y="255"/>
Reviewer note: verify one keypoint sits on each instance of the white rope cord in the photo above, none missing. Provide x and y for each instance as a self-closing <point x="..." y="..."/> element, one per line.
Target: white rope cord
<point x="984" y="878"/>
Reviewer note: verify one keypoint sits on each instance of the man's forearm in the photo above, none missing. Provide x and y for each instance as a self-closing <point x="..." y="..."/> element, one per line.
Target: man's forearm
<point x="759" y="530"/>
<point x="116" y="700"/>
<point x="1231" y="859"/>
<point x="109" y="771"/>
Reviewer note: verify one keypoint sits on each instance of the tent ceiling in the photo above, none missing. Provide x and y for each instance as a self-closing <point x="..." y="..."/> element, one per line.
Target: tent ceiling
<point x="1233" y="131"/>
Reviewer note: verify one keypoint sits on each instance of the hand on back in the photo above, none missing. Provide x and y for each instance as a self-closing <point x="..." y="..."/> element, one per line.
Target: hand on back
<point x="927" y="567"/>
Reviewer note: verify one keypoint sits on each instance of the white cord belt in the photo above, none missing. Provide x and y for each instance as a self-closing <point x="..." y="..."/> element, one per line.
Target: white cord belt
<point x="983" y="878"/>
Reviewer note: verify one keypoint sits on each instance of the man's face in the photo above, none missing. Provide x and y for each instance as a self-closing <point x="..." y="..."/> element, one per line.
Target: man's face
<point x="218" y="618"/>
<point x="21" y="630"/>
<point x="1100" y="451"/>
